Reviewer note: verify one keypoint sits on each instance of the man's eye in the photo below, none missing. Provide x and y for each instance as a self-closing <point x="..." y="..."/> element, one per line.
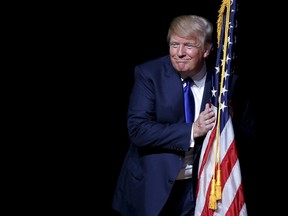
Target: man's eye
<point x="174" y="45"/>
<point x="190" y="46"/>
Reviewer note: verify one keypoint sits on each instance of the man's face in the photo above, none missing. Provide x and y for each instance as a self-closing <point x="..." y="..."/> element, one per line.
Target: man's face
<point x="187" y="54"/>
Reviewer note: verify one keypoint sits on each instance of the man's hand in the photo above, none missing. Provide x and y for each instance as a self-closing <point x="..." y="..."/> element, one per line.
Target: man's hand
<point x="204" y="122"/>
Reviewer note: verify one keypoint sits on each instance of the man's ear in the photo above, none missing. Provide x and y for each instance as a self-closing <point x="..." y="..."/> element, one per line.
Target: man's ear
<point x="207" y="51"/>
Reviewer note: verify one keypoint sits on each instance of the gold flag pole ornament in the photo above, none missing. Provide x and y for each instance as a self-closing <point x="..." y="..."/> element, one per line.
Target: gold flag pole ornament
<point x="216" y="187"/>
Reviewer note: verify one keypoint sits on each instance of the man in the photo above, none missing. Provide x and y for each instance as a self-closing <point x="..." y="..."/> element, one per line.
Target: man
<point x="159" y="174"/>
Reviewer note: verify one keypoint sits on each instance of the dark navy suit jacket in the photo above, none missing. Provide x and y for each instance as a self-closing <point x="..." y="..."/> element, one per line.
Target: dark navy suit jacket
<point x="159" y="139"/>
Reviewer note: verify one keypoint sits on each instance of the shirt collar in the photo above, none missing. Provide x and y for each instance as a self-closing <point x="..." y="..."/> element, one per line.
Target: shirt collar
<point x="199" y="78"/>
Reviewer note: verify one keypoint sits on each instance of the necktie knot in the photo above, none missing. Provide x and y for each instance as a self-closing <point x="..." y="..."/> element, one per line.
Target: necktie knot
<point x="188" y="81"/>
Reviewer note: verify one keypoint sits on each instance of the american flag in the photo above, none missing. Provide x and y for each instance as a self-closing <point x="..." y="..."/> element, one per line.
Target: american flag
<point x="220" y="190"/>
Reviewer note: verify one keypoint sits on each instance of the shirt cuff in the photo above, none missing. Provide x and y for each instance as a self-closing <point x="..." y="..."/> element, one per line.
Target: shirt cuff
<point x="192" y="141"/>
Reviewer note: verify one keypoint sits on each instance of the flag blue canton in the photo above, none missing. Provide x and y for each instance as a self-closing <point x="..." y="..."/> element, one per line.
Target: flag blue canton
<point x="227" y="64"/>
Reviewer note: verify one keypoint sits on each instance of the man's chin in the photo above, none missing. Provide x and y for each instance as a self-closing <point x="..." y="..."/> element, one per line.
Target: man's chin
<point x="181" y="66"/>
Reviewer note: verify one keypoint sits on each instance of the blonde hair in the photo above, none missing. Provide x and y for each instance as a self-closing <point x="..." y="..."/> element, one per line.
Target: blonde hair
<point x="192" y="26"/>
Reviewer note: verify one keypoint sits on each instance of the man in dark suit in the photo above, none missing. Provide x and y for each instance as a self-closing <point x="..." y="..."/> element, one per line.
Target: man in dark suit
<point x="159" y="174"/>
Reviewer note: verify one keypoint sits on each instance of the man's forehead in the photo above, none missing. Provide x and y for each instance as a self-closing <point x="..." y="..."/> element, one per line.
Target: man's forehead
<point x="177" y="38"/>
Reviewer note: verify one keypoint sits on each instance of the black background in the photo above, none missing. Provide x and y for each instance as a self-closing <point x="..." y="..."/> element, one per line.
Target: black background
<point x="97" y="48"/>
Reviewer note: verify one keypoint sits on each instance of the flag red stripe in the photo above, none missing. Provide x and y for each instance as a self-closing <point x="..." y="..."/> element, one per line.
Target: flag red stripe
<point x="206" y="155"/>
<point x="228" y="163"/>
<point x="237" y="203"/>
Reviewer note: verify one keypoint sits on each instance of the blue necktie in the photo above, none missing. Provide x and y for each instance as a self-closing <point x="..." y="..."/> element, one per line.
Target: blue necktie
<point x="189" y="102"/>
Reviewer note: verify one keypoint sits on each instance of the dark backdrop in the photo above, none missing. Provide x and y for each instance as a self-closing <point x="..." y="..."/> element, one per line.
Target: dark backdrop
<point x="99" y="50"/>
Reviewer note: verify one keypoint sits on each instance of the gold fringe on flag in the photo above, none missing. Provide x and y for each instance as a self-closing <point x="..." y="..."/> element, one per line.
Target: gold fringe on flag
<point x="218" y="187"/>
<point x="212" y="198"/>
<point x="220" y="19"/>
